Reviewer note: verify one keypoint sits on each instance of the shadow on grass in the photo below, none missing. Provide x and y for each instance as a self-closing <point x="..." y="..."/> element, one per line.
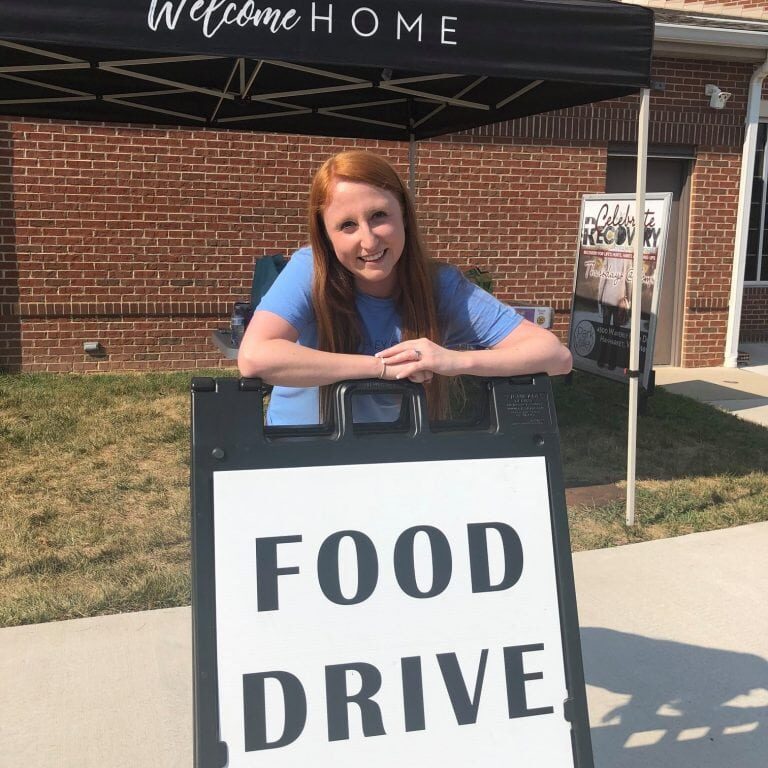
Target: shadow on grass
<point x="677" y="436"/>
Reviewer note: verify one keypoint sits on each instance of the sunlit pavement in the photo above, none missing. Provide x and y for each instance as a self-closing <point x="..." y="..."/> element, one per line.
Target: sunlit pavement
<point x="675" y="642"/>
<point x="742" y="391"/>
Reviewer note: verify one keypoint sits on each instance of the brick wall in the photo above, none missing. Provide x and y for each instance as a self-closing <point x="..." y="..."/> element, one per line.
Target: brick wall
<point x="511" y="208"/>
<point x="714" y="197"/>
<point x="141" y="238"/>
<point x="754" y="314"/>
<point x="679" y="111"/>
<point x="9" y="277"/>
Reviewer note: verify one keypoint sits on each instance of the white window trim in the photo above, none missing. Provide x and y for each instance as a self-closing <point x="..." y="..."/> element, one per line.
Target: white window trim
<point x="764" y="235"/>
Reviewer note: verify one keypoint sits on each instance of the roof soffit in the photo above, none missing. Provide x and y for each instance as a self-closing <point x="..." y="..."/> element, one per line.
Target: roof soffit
<point x="683" y="34"/>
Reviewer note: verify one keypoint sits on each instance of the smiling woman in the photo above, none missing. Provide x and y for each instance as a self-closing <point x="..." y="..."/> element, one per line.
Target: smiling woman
<point x="365" y="227"/>
<point x="365" y="301"/>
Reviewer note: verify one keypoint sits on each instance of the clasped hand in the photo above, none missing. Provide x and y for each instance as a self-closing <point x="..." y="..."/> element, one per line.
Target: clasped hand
<point x="417" y="360"/>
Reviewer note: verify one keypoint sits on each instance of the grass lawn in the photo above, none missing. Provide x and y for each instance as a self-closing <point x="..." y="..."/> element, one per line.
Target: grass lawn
<point x="94" y="515"/>
<point x="698" y="468"/>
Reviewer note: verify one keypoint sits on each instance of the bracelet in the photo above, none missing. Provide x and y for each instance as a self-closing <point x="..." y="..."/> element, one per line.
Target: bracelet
<point x="383" y="368"/>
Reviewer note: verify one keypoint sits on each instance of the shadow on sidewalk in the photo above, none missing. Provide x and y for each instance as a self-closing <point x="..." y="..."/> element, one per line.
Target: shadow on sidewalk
<point x="673" y="705"/>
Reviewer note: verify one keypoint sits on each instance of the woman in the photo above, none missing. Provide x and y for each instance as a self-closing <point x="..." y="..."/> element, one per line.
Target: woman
<point x="366" y="302"/>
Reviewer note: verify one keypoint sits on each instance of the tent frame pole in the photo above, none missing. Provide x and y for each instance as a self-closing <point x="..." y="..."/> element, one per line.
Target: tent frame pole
<point x="412" y="166"/>
<point x="637" y="292"/>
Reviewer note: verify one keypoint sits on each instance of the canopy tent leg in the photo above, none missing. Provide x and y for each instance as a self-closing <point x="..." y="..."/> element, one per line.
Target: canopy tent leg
<point x="412" y="165"/>
<point x="637" y="288"/>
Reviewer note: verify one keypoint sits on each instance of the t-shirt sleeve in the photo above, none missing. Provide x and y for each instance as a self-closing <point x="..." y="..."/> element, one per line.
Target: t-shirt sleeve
<point x="290" y="296"/>
<point x="469" y="315"/>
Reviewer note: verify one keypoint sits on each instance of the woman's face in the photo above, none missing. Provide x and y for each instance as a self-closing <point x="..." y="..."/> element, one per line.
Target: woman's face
<point x="365" y="226"/>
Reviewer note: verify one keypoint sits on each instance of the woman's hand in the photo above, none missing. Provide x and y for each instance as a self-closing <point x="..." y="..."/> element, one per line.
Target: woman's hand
<point x="526" y="349"/>
<point x="418" y="360"/>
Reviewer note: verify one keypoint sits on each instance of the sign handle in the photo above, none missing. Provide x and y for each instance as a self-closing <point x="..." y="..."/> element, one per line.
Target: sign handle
<point x="414" y="404"/>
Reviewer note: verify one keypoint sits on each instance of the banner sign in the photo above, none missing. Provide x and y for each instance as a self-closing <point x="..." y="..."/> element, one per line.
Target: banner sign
<point x="611" y="48"/>
<point x="362" y="621"/>
<point x="383" y="598"/>
<point x="601" y="309"/>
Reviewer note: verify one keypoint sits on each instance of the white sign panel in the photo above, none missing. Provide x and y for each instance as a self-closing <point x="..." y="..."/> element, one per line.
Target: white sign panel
<point x="389" y="615"/>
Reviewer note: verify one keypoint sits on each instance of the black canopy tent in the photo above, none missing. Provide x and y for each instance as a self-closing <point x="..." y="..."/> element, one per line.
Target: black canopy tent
<point x="387" y="70"/>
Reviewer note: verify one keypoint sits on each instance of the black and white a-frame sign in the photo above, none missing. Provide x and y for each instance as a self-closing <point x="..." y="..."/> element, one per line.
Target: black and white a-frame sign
<point x="383" y="598"/>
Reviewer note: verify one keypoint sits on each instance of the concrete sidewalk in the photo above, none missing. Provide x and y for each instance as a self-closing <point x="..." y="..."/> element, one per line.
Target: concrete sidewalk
<point x="675" y="636"/>
<point x="675" y="642"/>
<point x="741" y="391"/>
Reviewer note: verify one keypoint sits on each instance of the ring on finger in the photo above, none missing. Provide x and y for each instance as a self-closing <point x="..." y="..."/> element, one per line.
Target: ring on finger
<point x="418" y="354"/>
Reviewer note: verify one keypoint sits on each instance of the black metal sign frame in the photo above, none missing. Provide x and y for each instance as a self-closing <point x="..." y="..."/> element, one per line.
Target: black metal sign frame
<point x="228" y="433"/>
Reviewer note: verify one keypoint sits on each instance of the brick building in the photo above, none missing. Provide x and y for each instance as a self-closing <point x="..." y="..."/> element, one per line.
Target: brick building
<point x="141" y="238"/>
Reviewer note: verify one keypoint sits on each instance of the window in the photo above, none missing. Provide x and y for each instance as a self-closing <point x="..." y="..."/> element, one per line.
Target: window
<point x="757" y="241"/>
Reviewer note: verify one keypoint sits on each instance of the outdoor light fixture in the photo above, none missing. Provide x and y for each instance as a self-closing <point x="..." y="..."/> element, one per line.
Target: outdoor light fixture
<point x="92" y="347"/>
<point x="718" y="97"/>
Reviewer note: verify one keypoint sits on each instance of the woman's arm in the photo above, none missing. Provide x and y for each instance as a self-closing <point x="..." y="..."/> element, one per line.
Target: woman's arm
<point x="269" y="351"/>
<point x="526" y="349"/>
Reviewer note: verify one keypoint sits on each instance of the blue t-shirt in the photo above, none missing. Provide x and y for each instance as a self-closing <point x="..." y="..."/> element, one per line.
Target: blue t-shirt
<point x="468" y="315"/>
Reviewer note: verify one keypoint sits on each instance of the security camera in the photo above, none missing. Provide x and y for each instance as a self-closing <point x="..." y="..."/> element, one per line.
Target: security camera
<point x="718" y="97"/>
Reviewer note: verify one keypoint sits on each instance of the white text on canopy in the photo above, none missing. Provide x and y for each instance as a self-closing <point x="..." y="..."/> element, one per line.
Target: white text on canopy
<point x="364" y="22"/>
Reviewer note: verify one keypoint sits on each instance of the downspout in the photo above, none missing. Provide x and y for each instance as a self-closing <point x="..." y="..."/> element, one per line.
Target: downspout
<point x="742" y="219"/>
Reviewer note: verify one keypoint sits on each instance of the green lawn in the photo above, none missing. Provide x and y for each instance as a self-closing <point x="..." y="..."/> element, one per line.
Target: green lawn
<point x="94" y="517"/>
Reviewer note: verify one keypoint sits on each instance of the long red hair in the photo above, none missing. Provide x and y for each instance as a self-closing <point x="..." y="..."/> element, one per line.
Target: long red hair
<point x="333" y="288"/>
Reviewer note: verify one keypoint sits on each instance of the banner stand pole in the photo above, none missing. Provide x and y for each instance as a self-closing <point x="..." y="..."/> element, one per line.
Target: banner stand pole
<point x="637" y="287"/>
